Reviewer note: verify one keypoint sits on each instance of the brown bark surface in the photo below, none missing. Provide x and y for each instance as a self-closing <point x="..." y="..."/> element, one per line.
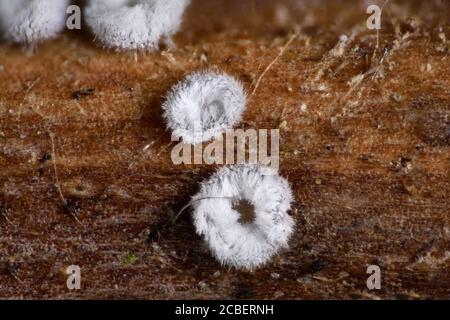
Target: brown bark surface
<point x="365" y="144"/>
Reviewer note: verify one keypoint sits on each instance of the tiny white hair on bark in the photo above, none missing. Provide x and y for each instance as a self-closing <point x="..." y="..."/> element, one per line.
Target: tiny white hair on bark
<point x="203" y="106"/>
<point x="31" y="21"/>
<point x="244" y="245"/>
<point x="134" y="24"/>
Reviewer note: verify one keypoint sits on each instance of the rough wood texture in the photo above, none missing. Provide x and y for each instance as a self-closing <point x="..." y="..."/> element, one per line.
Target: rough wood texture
<point x="365" y="145"/>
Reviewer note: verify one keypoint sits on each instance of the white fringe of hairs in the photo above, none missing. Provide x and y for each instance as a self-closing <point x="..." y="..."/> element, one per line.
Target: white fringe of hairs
<point x="135" y="24"/>
<point x="244" y="245"/>
<point x="30" y="21"/>
<point x="203" y="106"/>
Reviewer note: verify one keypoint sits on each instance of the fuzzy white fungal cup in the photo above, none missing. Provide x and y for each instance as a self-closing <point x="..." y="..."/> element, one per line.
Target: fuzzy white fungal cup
<point x="255" y="194"/>
<point x="30" y="21"/>
<point x="134" y="24"/>
<point x="203" y="106"/>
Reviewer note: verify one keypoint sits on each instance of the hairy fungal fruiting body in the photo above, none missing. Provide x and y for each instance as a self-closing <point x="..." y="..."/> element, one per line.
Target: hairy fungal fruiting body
<point x="134" y="24"/>
<point x="203" y="106"/>
<point x="242" y="213"/>
<point x="30" y="21"/>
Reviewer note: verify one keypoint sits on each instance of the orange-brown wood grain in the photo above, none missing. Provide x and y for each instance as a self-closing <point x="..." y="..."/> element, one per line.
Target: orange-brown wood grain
<point x="365" y="144"/>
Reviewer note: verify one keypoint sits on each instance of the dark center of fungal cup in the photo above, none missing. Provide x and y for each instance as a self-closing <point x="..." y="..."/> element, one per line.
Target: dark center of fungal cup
<point x="132" y="3"/>
<point x="246" y="210"/>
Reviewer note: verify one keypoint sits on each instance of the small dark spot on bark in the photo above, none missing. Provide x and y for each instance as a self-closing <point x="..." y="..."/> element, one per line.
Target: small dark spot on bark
<point x="12" y="268"/>
<point x="404" y="161"/>
<point x="243" y="291"/>
<point x="154" y="236"/>
<point x="402" y="296"/>
<point x="229" y="59"/>
<point x="316" y="266"/>
<point x="158" y="231"/>
<point x="3" y="210"/>
<point x="72" y="206"/>
<point x="46" y="157"/>
<point x="246" y="78"/>
<point x="83" y="93"/>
